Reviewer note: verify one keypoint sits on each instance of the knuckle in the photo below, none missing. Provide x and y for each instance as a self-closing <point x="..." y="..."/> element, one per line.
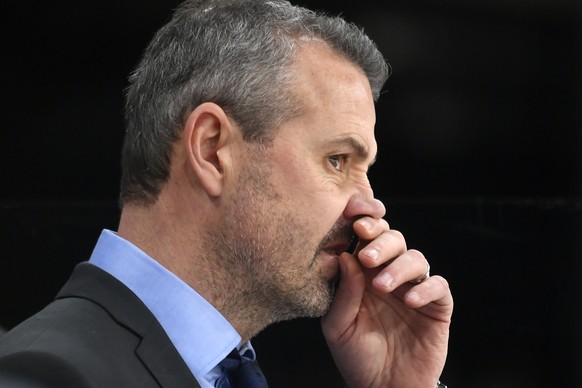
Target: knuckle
<point x="397" y="235"/>
<point x="416" y="254"/>
<point x="443" y="282"/>
<point x="384" y="224"/>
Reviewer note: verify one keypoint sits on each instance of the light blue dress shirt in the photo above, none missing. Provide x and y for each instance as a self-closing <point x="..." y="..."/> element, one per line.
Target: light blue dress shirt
<point x="201" y="335"/>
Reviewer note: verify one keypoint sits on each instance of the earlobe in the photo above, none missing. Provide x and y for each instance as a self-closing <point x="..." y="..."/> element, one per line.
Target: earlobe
<point x="206" y="135"/>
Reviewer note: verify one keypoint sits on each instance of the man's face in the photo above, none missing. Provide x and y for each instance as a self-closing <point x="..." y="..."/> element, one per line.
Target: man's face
<point x="290" y="216"/>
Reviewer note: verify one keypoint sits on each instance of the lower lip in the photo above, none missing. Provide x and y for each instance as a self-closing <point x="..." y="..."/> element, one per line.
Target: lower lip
<point x="330" y="265"/>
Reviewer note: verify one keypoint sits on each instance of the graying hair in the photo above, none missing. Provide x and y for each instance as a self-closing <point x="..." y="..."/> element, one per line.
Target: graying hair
<point x="235" y="53"/>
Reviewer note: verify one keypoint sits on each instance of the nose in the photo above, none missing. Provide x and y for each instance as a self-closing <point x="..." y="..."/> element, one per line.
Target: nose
<point x="362" y="204"/>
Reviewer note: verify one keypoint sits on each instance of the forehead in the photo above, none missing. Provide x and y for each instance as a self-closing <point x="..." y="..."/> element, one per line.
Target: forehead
<point x="321" y="72"/>
<point x="334" y="96"/>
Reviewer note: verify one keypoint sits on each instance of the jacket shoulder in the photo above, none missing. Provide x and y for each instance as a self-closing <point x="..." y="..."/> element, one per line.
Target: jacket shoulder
<point x="99" y="329"/>
<point x="77" y="337"/>
<point x="33" y="369"/>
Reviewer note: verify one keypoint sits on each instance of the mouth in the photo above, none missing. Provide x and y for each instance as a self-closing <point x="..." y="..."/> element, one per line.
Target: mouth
<point x="336" y="248"/>
<point x="340" y="239"/>
<point x="333" y="251"/>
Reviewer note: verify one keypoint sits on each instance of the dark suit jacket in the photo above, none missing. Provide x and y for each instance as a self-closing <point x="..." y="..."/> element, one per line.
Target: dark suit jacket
<point x="96" y="333"/>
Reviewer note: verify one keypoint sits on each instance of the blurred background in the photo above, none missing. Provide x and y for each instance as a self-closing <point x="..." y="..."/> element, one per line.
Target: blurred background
<point x="479" y="130"/>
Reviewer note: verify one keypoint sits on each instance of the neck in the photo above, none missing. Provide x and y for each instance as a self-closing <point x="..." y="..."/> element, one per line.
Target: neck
<point x="170" y="237"/>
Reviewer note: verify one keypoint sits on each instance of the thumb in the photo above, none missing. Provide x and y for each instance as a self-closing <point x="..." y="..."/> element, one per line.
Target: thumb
<point x="345" y="306"/>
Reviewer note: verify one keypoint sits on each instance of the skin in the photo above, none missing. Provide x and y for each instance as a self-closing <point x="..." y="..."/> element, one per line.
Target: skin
<point x="283" y="215"/>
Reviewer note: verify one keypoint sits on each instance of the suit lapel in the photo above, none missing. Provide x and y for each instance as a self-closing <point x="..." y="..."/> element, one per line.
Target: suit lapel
<point x="155" y="349"/>
<point x="158" y="353"/>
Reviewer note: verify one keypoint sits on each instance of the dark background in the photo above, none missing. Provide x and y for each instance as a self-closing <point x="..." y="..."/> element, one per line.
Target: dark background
<point x="480" y="132"/>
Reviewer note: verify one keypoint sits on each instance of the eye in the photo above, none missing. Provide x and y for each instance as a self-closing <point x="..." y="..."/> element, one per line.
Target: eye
<point x="338" y="161"/>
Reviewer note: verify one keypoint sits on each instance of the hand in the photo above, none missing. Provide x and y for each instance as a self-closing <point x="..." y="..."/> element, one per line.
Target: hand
<point x="382" y="329"/>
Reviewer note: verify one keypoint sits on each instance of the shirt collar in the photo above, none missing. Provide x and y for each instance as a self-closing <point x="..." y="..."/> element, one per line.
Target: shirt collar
<point x="201" y="335"/>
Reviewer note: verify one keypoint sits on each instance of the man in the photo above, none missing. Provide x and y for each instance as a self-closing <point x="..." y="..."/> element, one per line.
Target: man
<point x="250" y="131"/>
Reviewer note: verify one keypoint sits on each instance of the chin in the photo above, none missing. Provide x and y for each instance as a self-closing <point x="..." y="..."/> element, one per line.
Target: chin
<point x="308" y="302"/>
<point x="321" y="300"/>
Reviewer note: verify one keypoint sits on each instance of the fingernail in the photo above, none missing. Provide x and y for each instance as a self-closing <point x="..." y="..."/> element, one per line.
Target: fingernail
<point x="413" y="296"/>
<point x="343" y="266"/>
<point x="372" y="253"/>
<point x="366" y="224"/>
<point x="384" y="279"/>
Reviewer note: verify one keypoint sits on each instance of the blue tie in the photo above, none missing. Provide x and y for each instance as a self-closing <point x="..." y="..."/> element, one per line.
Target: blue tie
<point x="241" y="372"/>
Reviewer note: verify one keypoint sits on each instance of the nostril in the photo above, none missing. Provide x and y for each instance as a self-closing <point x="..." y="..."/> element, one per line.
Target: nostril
<point x="359" y="207"/>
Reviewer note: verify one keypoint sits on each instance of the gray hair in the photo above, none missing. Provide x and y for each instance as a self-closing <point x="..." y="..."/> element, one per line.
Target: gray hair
<point x="235" y="53"/>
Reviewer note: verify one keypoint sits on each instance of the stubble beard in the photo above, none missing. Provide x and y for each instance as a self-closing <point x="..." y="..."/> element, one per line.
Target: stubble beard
<point x="270" y="257"/>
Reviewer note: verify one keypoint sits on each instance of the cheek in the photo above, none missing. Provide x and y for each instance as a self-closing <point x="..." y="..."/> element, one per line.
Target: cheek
<point x="320" y="208"/>
<point x="309" y="194"/>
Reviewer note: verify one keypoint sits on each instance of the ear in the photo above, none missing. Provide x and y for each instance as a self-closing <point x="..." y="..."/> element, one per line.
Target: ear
<point x="208" y="133"/>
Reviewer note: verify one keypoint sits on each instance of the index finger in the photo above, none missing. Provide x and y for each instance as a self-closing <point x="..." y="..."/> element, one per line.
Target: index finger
<point x="378" y="243"/>
<point x="368" y="228"/>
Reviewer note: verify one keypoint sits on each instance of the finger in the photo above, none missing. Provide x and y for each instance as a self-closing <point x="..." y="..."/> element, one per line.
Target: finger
<point x="348" y="297"/>
<point x="432" y="295"/>
<point x="382" y="249"/>
<point x="368" y="228"/>
<point x="407" y="267"/>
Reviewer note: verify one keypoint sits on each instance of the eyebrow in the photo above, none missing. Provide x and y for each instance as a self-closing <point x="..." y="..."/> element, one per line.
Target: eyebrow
<point x="359" y="148"/>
